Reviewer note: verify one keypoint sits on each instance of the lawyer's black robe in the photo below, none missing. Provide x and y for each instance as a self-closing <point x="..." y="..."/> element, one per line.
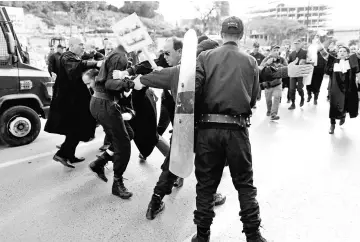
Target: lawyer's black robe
<point x="69" y="109"/>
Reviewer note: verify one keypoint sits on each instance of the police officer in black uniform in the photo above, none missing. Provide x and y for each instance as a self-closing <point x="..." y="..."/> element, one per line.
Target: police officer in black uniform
<point x="227" y="85"/>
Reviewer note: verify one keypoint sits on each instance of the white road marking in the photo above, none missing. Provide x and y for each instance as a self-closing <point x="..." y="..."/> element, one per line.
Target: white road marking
<point x="33" y="157"/>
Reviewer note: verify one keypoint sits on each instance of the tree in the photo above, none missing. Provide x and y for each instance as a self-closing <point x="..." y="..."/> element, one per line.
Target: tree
<point x="143" y="9"/>
<point x="353" y="42"/>
<point x="81" y="11"/>
<point x="209" y="15"/>
<point x="277" y="29"/>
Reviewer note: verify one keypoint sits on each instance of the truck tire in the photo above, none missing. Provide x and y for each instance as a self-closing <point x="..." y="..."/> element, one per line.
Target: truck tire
<point x="19" y="125"/>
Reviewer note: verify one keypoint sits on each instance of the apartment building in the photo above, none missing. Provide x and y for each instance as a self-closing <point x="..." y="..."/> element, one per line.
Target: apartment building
<point x="313" y="16"/>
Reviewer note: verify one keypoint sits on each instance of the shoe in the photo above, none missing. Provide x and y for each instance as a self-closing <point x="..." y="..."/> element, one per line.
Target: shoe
<point x="315" y="102"/>
<point x="309" y="97"/>
<point x="179" y="182"/>
<point x="332" y="128"/>
<point x="63" y="161"/>
<point x="97" y="166"/>
<point x="302" y="101"/>
<point x="142" y="158"/>
<point x="156" y="206"/>
<point x="104" y="148"/>
<point x="119" y="189"/>
<point x="254" y="107"/>
<point x="255" y="237"/>
<point x="273" y="118"/>
<point x="292" y="107"/>
<point x="58" y="147"/>
<point x="219" y="199"/>
<point x="342" y="121"/>
<point x="268" y="113"/>
<point x="76" y="160"/>
<point x="202" y="235"/>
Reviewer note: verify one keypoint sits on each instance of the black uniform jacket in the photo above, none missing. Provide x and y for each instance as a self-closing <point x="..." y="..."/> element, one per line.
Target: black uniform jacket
<point x="69" y="110"/>
<point x="227" y="81"/>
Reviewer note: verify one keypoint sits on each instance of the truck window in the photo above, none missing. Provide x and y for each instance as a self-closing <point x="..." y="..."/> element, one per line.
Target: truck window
<point x="4" y="55"/>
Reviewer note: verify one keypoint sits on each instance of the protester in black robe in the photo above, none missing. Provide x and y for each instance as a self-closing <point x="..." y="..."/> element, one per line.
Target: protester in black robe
<point x="145" y="122"/>
<point x="69" y="110"/>
<point x="342" y="89"/>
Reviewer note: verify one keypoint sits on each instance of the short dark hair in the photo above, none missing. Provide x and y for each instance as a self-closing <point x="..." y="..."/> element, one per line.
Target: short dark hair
<point x="106" y="39"/>
<point x="92" y="73"/>
<point x="177" y="43"/>
<point x="233" y="36"/>
<point x="202" y="38"/>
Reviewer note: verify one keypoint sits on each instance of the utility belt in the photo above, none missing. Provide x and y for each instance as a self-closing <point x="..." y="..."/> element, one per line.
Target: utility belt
<point x="242" y="121"/>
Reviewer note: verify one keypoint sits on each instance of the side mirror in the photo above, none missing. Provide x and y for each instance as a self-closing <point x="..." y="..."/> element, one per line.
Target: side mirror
<point x="10" y="43"/>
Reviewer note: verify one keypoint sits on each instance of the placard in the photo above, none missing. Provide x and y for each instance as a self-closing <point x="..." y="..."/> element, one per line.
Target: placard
<point x="132" y="33"/>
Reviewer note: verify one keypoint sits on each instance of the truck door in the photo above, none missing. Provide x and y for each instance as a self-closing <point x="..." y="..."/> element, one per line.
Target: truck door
<point x="9" y="72"/>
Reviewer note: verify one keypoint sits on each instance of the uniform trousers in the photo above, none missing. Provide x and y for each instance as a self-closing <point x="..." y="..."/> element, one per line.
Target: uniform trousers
<point x="213" y="147"/>
<point x="106" y="113"/>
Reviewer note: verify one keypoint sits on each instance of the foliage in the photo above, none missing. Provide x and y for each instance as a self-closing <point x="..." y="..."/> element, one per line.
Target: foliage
<point x="209" y="16"/>
<point x="143" y="9"/>
<point x="277" y="29"/>
<point x="353" y="42"/>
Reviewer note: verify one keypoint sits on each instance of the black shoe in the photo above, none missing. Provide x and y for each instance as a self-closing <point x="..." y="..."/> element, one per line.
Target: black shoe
<point x="202" y="235"/>
<point x="119" y="189"/>
<point x="309" y="97"/>
<point x="156" y="206"/>
<point x="332" y="128"/>
<point x="342" y="121"/>
<point x="98" y="165"/>
<point x="142" y="158"/>
<point x="255" y="237"/>
<point x="58" y="147"/>
<point x="104" y="148"/>
<point x="179" y="182"/>
<point x="292" y="107"/>
<point x="315" y="101"/>
<point x="268" y="113"/>
<point x="219" y="199"/>
<point x="76" y="160"/>
<point x="302" y="101"/>
<point x="63" y="161"/>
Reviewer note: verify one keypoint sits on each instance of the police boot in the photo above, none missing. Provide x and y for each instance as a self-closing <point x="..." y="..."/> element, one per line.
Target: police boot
<point x="255" y="237"/>
<point x="309" y="97"/>
<point x="316" y="96"/>
<point x="219" y="199"/>
<point x="203" y="235"/>
<point x="119" y="189"/>
<point x="342" y="121"/>
<point x="98" y="165"/>
<point x="156" y="205"/>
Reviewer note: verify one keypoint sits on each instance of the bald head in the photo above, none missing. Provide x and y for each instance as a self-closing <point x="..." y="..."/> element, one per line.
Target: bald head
<point x="76" y="45"/>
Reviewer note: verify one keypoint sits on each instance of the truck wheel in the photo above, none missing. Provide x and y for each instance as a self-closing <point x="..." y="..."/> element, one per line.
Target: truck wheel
<point x="19" y="125"/>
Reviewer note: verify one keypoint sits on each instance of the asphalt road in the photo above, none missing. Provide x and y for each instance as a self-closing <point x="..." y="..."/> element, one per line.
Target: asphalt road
<point x="308" y="188"/>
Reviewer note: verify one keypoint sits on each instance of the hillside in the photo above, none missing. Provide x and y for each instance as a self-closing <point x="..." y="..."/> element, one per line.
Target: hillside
<point x="94" y="15"/>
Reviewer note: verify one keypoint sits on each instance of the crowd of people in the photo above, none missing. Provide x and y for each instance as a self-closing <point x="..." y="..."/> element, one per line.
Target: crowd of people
<point x="112" y="88"/>
<point x="344" y="83"/>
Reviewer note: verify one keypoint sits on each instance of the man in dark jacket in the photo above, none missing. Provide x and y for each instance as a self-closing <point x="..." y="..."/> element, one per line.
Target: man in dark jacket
<point x="297" y="83"/>
<point x="54" y="61"/>
<point x="69" y="110"/>
<point x="317" y="78"/>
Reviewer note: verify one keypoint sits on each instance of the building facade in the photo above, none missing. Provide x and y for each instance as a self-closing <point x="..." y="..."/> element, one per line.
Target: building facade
<point x="314" y="16"/>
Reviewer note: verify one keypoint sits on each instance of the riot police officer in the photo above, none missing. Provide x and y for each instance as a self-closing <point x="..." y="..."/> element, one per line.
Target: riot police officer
<point x="227" y="86"/>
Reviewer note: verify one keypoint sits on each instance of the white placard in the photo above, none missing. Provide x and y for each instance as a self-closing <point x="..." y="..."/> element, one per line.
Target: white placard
<point x="132" y="33"/>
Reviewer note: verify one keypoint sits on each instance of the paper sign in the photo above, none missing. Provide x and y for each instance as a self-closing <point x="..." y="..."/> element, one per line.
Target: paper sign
<point x="131" y="33"/>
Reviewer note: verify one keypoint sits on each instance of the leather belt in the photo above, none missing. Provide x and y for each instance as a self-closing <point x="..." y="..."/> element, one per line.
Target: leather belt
<point x="103" y="95"/>
<point x="225" y="119"/>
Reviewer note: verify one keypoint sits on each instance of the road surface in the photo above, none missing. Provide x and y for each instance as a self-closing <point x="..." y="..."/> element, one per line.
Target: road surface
<point x="308" y="188"/>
